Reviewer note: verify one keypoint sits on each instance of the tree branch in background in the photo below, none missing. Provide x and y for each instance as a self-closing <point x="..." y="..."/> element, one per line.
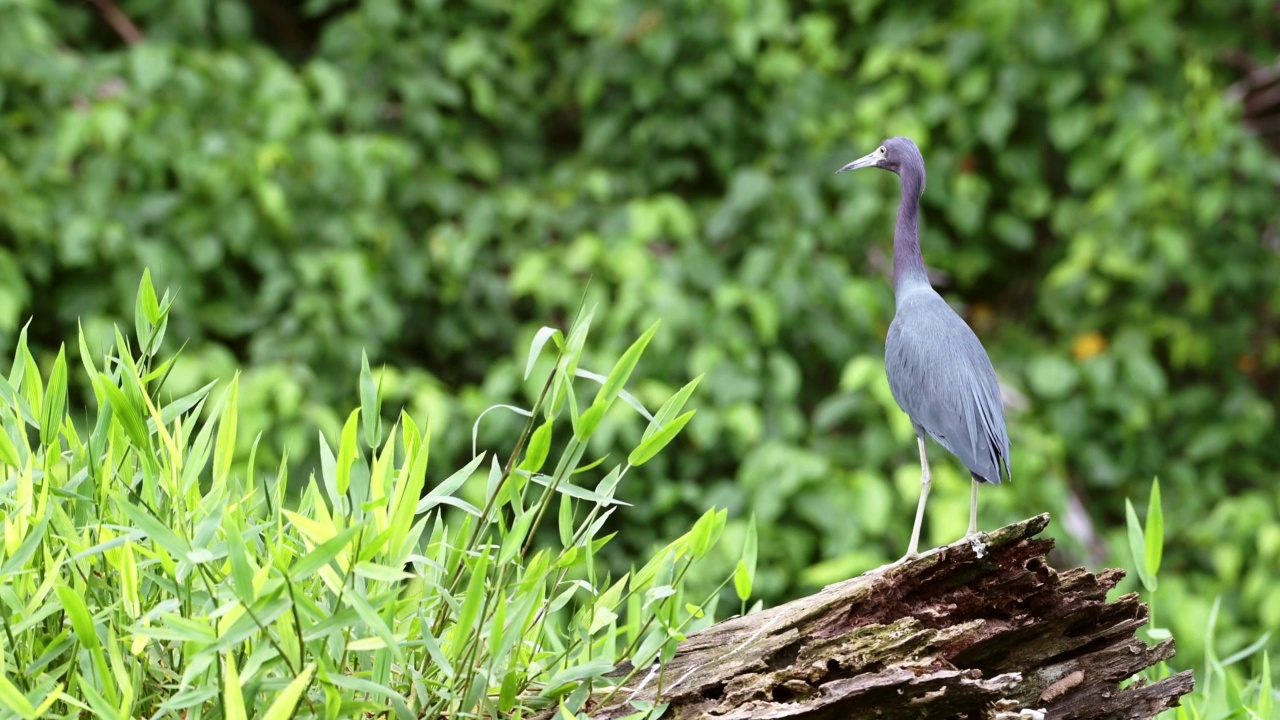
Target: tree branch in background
<point x="119" y="22"/>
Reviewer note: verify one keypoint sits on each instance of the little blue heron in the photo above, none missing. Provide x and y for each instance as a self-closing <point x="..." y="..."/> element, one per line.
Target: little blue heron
<point x="937" y="368"/>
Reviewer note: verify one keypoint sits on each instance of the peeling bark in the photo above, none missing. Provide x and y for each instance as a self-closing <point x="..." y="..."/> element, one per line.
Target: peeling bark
<point x="971" y="630"/>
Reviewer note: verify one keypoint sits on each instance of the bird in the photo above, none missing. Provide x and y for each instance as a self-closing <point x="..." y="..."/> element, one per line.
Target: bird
<point x="938" y="370"/>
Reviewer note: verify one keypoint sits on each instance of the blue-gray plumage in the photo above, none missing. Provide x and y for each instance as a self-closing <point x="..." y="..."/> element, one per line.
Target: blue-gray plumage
<point x="938" y="371"/>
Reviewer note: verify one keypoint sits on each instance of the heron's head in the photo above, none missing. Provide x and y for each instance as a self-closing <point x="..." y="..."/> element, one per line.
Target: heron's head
<point x="897" y="155"/>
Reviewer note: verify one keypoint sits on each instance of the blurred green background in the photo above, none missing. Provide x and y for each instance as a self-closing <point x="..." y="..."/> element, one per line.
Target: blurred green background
<point x="433" y="181"/>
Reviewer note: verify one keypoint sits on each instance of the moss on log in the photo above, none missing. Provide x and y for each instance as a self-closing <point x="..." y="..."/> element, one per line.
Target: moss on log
<point x="970" y="630"/>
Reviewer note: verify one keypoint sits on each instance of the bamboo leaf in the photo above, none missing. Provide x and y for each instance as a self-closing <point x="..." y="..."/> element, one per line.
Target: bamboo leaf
<point x="53" y="410"/>
<point x="347" y="452"/>
<point x="442" y="492"/>
<point x="1154" y="531"/>
<point x="535" y="348"/>
<point x="651" y="446"/>
<point x="370" y="403"/>
<point x="1137" y="546"/>
<point x="282" y="708"/>
<point x="232" y="695"/>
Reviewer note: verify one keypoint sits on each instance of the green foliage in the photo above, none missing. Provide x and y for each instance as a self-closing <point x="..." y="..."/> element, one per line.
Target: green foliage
<point x="141" y="576"/>
<point x="431" y="182"/>
<point x="1222" y="691"/>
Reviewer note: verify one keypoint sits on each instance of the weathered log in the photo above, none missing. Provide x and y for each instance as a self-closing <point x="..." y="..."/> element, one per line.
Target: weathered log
<point x="972" y="630"/>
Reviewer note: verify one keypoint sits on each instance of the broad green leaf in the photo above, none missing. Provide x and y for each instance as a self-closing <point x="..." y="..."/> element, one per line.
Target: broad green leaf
<point x="535" y="454"/>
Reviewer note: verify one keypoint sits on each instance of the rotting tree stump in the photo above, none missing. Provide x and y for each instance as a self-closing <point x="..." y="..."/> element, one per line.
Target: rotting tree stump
<point x="970" y="630"/>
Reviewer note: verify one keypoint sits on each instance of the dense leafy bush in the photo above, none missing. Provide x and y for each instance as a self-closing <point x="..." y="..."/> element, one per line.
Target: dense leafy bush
<point x="432" y="182"/>
<point x="143" y="575"/>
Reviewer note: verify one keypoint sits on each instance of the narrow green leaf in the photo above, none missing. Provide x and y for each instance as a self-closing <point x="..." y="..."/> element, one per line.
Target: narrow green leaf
<point x="282" y="708"/>
<point x="1154" y="531"/>
<point x="347" y="452"/>
<point x="53" y="410"/>
<point x="126" y="414"/>
<point x="16" y="562"/>
<point x="1137" y="546"/>
<point x="8" y="451"/>
<point x="147" y="302"/>
<point x="471" y="604"/>
<point x="238" y="555"/>
<point x="381" y="573"/>
<point x="565" y="523"/>
<point x="322" y="554"/>
<point x="370" y="403"/>
<point x="224" y="449"/>
<point x="86" y="631"/>
<point x="32" y="385"/>
<point x="440" y="493"/>
<point x="159" y="533"/>
<point x="329" y="472"/>
<point x="1266" y="701"/>
<point x="624" y="367"/>
<point x="655" y="442"/>
<point x="564" y="487"/>
<point x="12" y="699"/>
<point x="744" y="573"/>
<point x="232" y="695"/>
<point x="671" y="407"/>
<point x="585" y="425"/>
<point x="540" y="339"/>
<point x="375" y="623"/>
<point x="514" y="539"/>
<point x="742" y="581"/>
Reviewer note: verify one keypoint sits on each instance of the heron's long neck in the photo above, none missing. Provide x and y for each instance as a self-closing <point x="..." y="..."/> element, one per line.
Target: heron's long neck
<point x="908" y="263"/>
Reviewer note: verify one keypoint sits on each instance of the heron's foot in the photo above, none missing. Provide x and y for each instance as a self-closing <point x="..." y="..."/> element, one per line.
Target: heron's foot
<point x="976" y="542"/>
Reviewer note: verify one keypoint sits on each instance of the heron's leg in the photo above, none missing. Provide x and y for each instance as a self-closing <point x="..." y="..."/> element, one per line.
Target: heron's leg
<point x="925" y="481"/>
<point x="973" y="511"/>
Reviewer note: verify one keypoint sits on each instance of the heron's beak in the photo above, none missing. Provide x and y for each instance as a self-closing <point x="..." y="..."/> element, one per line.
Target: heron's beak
<point x="868" y="160"/>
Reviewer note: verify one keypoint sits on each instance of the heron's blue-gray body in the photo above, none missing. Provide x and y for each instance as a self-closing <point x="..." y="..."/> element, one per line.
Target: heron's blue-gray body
<point x="938" y="371"/>
<point x="943" y="380"/>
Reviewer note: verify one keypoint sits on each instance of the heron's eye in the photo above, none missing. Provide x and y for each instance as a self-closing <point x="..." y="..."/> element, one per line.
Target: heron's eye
<point x="881" y="149"/>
